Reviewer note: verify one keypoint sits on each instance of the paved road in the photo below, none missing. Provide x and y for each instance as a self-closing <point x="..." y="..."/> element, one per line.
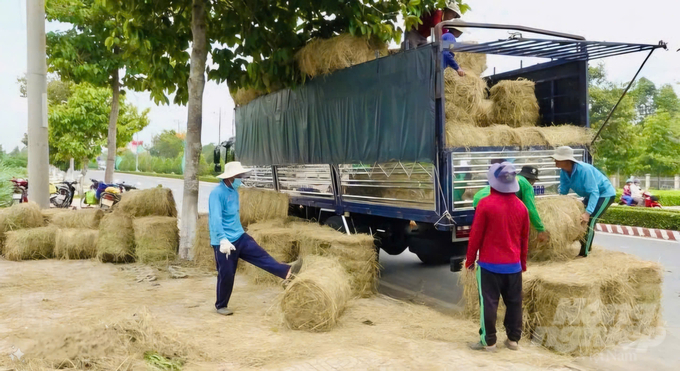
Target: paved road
<point x="404" y="276"/>
<point x="176" y="185"/>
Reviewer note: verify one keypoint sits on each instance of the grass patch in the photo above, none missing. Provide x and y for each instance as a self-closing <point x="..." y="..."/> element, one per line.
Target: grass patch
<point x="159" y="362"/>
<point x="642" y="217"/>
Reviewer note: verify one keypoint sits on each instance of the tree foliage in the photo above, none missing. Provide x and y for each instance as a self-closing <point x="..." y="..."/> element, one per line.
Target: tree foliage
<point x="660" y="145"/>
<point x="58" y="91"/>
<point x="78" y="128"/>
<point x="667" y="100"/>
<point x="167" y="144"/>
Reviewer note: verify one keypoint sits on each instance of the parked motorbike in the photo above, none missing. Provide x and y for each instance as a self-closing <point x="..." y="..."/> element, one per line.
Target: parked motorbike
<point x="104" y="195"/>
<point x="20" y="193"/>
<point x="63" y="197"/>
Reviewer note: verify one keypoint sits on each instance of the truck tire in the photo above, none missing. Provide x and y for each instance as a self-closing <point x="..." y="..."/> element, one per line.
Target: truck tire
<point x="435" y="251"/>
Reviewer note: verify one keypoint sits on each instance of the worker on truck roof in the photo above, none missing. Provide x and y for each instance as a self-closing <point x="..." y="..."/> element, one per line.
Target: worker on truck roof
<point x="500" y="232"/>
<point x="230" y="241"/>
<point x="526" y="179"/>
<point x="588" y="182"/>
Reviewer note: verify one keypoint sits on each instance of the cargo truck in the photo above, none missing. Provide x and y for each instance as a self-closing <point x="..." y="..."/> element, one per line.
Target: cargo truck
<point x="363" y="149"/>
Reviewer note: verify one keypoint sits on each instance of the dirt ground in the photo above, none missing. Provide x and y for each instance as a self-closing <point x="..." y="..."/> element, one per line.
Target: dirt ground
<point x="88" y="315"/>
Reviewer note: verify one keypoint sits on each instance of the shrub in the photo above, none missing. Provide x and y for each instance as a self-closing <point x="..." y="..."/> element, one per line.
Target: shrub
<point x="642" y="217"/>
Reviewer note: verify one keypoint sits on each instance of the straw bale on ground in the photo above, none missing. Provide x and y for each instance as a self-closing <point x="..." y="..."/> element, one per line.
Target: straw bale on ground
<point x="316" y="298"/>
<point x="464" y="98"/>
<point x="73" y="243"/>
<point x="583" y="306"/>
<point x="85" y="218"/>
<point x="19" y="216"/>
<point x="515" y="103"/>
<point x="279" y="240"/>
<point x="156" y="238"/>
<point x="30" y="243"/>
<point x="561" y="216"/>
<point x="148" y="202"/>
<point x="204" y="254"/>
<point x="468" y="136"/>
<point x="257" y="205"/>
<point x="324" y="56"/>
<point x="49" y="213"/>
<point x="116" y="242"/>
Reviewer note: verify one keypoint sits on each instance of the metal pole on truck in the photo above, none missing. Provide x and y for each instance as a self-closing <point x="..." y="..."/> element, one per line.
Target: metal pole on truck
<point x="36" y="85"/>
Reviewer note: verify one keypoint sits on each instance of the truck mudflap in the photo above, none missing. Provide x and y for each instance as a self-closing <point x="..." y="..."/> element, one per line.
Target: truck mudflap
<point x="469" y="168"/>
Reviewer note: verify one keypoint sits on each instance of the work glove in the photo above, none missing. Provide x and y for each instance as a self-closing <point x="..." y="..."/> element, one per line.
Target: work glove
<point x="226" y="247"/>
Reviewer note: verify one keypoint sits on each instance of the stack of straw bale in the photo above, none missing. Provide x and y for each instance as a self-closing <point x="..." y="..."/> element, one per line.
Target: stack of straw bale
<point x="148" y="202"/>
<point x="324" y="56"/>
<point x="514" y="103"/>
<point x="502" y="135"/>
<point x="116" y="242"/>
<point x="464" y="98"/>
<point x="583" y="306"/>
<point x="156" y="238"/>
<point x="19" y="216"/>
<point x="356" y="252"/>
<point x="30" y="243"/>
<point x="203" y="253"/>
<point x="76" y="243"/>
<point x="257" y="205"/>
<point x="471" y="63"/>
<point x="279" y="240"/>
<point x="316" y="298"/>
<point x="561" y="216"/>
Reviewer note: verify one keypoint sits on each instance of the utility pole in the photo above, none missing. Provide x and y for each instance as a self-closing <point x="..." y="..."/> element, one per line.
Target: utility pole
<point x="36" y="85"/>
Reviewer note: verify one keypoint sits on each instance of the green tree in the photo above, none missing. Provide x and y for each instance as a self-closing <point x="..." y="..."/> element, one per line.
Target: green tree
<point x="166" y="144"/>
<point x="615" y="149"/>
<point x="58" y="91"/>
<point x="97" y="47"/>
<point x="254" y="45"/>
<point x="660" y="145"/>
<point x="667" y="100"/>
<point x="24" y="140"/>
<point x="644" y="94"/>
<point x="78" y="128"/>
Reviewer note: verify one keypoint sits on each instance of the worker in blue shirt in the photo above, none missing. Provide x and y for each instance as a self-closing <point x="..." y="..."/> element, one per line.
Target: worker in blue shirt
<point x="448" y="56"/>
<point x="230" y="241"/>
<point x="588" y="182"/>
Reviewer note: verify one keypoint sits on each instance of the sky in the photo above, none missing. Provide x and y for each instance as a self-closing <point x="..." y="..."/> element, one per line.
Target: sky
<point x="599" y="20"/>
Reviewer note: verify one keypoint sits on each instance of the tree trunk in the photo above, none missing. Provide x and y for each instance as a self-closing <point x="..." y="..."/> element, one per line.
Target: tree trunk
<point x="192" y="151"/>
<point x="113" y="121"/>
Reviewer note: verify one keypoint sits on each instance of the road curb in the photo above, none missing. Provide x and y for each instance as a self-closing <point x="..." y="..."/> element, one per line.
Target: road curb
<point x="659" y="234"/>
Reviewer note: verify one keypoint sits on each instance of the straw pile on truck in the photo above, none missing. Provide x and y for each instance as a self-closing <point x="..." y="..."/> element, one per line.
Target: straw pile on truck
<point x="579" y="306"/>
<point x="508" y="117"/>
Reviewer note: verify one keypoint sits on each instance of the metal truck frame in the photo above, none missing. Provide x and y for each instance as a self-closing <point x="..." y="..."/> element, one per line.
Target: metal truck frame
<point x="427" y="207"/>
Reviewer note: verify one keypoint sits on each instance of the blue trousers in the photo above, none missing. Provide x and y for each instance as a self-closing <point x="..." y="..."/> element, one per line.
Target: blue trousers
<point x="248" y="250"/>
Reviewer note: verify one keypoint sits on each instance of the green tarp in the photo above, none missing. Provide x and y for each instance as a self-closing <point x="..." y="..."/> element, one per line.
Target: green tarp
<point x="379" y="111"/>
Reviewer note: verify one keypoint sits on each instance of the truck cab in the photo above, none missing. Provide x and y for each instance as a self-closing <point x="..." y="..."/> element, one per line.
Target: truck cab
<point x="364" y="150"/>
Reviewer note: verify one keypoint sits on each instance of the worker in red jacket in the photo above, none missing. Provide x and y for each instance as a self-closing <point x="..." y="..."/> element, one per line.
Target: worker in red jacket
<point x="418" y="37"/>
<point x="500" y="233"/>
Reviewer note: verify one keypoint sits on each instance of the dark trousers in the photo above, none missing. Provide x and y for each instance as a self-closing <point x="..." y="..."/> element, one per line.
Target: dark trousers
<point x="491" y="287"/>
<point x="603" y="204"/>
<point x="248" y="250"/>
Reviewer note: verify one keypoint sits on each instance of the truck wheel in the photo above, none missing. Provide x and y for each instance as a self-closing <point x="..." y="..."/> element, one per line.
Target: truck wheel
<point x="436" y="251"/>
<point x="431" y="258"/>
<point x="393" y="249"/>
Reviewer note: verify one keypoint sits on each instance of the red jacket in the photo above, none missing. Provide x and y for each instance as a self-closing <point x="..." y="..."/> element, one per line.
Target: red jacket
<point x="500" y="232"/>
<point x="429" y="21"/>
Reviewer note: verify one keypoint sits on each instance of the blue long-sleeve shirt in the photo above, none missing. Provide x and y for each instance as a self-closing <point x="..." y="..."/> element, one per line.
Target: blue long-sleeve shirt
<point x="448" y="56"/>
<point x="588" y="182"/>
<point x="223" y="215"/>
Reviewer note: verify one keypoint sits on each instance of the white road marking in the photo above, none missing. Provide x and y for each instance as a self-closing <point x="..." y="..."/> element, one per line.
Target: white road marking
<point x="630" y="231"/>
<point x="609" y="228"/>
<point x="641" y="232"/>
<point x="619" y="229"/>
<point x="652" y="233"/>
<point x="664" y="234"/>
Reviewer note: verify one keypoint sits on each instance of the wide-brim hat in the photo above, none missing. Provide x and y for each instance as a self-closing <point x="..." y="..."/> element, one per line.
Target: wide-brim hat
<point x="503" y="178"/>
<point x="232" y="169"/>
<point x="529" y="172"/>
<point x="452" y="5"/>
<point x="564" y="153"/>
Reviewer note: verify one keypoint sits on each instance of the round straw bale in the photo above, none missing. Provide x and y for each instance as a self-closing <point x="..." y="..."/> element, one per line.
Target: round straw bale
<point x="85" y="218"/>
<point x="466" y="135"/>
<point x="30" y="243"/>
<point x="464" y="98"/>
<point x="257" y="205"/>
<point x="49" y="213"/>
<point x="323" y="56"/>
<point x="19" y="216"/>
<point x="245" y="96"/>
<point x="316" y="298"/>
<point x="515" y="103"/>
<point x="474" y="63"/>
<point x="561" y="216"/>
<point x="203" y="252"/>
<point x="566" y="135"/>
<point x="156" y="238"/>
<point x="76" y="243"/>
<point x="116" y="242"/>
<point x="148" y="202"/>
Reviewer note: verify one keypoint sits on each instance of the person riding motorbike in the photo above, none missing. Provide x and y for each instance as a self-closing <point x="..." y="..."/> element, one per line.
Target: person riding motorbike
<point x="626" y="197"/>
<point x="636" y="193"/>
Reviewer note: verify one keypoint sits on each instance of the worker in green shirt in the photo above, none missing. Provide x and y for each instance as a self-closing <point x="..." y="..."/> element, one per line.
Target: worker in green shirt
<point x="526" y="178"/>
